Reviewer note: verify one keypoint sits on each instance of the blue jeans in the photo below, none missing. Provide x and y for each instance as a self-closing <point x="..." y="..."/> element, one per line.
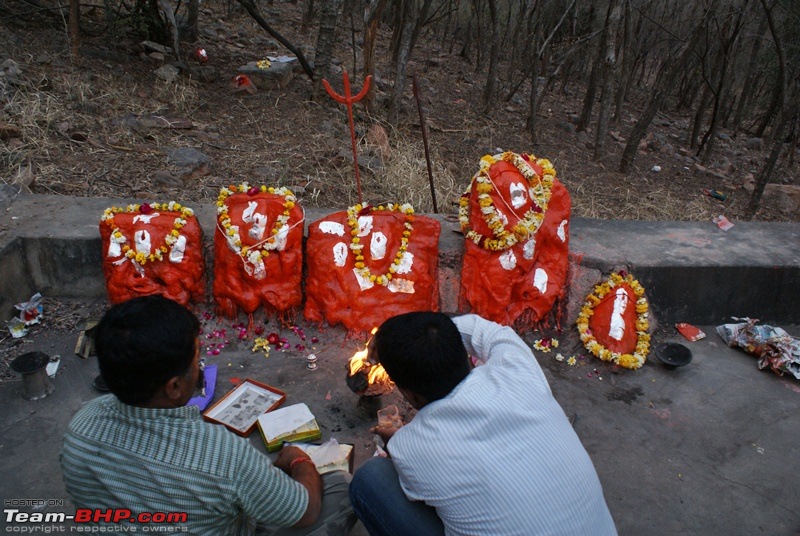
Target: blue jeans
<point x="383" y="508"/>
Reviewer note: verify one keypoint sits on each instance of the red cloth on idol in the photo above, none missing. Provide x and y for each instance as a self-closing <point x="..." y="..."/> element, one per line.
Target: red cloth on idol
<point x="182" y="280"/>
<point x="274" y="281"/>
<point x="333" y="291"/>
<point x="525" y="280"/>
<point x="618" y="307"/>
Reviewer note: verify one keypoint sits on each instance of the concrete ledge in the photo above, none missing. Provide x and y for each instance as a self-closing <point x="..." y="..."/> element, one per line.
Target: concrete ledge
<point x="692" y="271"/>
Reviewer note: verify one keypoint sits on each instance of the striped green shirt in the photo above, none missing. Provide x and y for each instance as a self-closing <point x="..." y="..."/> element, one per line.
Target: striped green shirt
<point x="170" y="460"/>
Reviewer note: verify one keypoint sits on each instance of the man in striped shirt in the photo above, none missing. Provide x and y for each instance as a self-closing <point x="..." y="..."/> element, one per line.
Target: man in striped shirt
<point x="142" y="449"/>
<point x="489" y="451"/>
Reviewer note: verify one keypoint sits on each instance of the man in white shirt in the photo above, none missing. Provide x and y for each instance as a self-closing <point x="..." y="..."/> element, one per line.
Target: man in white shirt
<point x="490" y="451"/>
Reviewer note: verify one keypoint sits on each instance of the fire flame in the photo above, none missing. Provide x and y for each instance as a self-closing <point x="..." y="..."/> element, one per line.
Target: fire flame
<point x="375" y="372"/>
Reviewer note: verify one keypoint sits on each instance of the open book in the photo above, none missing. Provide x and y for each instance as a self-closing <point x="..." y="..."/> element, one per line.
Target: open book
<point x="330" y="456"/>
<point x="291" y="423"/>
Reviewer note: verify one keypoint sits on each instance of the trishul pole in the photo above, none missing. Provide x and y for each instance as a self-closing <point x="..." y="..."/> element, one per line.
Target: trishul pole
<point x="348" y="99"/>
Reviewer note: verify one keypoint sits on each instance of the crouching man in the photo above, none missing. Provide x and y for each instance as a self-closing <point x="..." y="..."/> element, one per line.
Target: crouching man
<point x="142" y="449"/>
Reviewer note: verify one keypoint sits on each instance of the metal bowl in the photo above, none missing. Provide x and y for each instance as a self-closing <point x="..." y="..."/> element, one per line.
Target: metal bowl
<point x="673" y="354"/>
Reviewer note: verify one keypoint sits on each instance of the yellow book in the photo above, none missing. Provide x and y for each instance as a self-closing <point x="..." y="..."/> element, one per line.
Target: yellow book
<point x="291" y="423"/>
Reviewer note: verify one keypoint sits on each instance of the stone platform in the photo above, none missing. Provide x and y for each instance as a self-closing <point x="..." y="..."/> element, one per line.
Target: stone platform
<point x="692" y="271"/>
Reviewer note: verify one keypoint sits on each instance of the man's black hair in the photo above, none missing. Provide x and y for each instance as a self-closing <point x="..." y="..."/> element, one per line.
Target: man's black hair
<point x="422" y="352"/>
<point x="142" y="343"/>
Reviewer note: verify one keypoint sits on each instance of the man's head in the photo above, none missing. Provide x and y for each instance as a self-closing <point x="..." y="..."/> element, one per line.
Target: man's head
<point x="147" y="351"/>
<point x="423" y="353"/>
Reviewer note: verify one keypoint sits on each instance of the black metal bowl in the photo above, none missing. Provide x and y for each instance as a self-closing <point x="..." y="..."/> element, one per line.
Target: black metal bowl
<point x="30" y="362"/>
<point x="673" y="354"/>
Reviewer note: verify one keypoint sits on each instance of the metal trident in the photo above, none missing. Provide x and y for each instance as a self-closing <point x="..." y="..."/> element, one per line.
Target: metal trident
<point x="348" y="99"/>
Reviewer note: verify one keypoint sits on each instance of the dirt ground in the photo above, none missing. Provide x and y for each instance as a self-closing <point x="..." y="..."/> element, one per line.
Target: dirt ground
<point x="86" y="129"/>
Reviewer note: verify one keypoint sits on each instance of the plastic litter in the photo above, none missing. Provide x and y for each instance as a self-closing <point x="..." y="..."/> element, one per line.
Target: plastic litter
<point x="773" y="346"/>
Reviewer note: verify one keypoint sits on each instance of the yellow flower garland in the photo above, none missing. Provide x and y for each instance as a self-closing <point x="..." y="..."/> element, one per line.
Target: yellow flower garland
<point x="529" y="223"/>
<point x="169" y="240"/>
<point x="355" y="242"/>
<point x="638" y="357"/>
<point x="231" y="232"/>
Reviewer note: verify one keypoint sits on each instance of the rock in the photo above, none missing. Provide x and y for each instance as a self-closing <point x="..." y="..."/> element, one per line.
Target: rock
<point x="168" y="73"/>
<point x="25" y="179"/>
<point x="642" y="147"/>
<point x="165" y="121"/>
<point x="150" y="46"/>
<point x="566" y="127"/>
<point x="697" y="168"/>
<point x="378" y="138"/>
<point x="616" y="136"/>
<point x="8" y="192"/>
<point x="723" y="136"/>
<point x="582" y="137"/>
<point x="574" y="118"/>
<point x="755" y="144"/>
<point x="784" y="197"/>
<point x="277" y="76"/>
<point x="166" y="178"/>
<point x="8" y="131"/>
<point x="187" y="157"/>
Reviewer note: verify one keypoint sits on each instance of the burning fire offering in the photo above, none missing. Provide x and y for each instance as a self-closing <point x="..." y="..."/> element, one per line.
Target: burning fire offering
<point x="369" y="381"/>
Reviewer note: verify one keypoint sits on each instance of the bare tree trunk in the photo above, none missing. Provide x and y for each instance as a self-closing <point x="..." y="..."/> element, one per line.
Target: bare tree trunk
<point x="412" y="15"/>
<point x="166" y="8"/>
<point x="608" y="66"/>
<point x="778" y="132"/>
<point x="721" y="93"/>
<point x="749" y="78"/>
<point x="591" y="86"/>
<point x="494" y="58"/>
<point x="627" y="65"/>
<point x="700" y="114"/>
<point x="74" y="29"/>
<point x="663" y="85"/>
<point x="372" y="15"/>
<point x="192" y="16"/>
<point x="253" y="11"/>
<point x="326" y="40"/>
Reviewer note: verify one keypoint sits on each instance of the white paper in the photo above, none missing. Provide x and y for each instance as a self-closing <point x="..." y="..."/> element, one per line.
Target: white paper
<point x="284" y="420"/>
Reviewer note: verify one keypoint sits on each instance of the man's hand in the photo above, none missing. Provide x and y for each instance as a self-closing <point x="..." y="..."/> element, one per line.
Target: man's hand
<point x="385" y="432"/>
<point x="287" y="455"/>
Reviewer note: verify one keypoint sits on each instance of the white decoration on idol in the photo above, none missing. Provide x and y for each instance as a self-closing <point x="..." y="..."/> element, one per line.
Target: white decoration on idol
<point x="540" y="280"/>
<point x="142" y="241"/>
<point x="363" y="282"/>
<point x="332" y="227"/>
<point x="340" y="254"/>
<point x="145" y="218"/>
<point x="259" y="221"/>
<point x="114" y="245"/>
<point x="364" y="225"/>
<point x="516" y="192"/>
<point x="404" y="286"/>
<point x="377" y="246"/>
<point x="405" y="263"/>
<point x="281" y="238"/>
<point x="508" y="260"/>
<point x="528" y="249"/>
<point x="503" y="217"/>
<point x="255" y="265"/>
<point x="178" y="249"/>
<point x="617" y="328"/>
<point x="562" y="231"/>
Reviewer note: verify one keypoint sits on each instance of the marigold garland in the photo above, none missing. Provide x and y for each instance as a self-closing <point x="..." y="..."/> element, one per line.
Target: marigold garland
<point x="541" y="186"/>
<point x="355" y="242"/>
<point x="231" y="232"/>
<point x="638" y="357"/>
<point x="147" y="208"/>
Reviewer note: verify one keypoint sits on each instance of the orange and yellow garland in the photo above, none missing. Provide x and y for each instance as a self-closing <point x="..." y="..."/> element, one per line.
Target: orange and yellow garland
<point x="147" y="208"/>
<point x="355" y="242"/>
<point x="230" y="231"/>
<point x="638" y="357"/>
<point x="540" y="188"/>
